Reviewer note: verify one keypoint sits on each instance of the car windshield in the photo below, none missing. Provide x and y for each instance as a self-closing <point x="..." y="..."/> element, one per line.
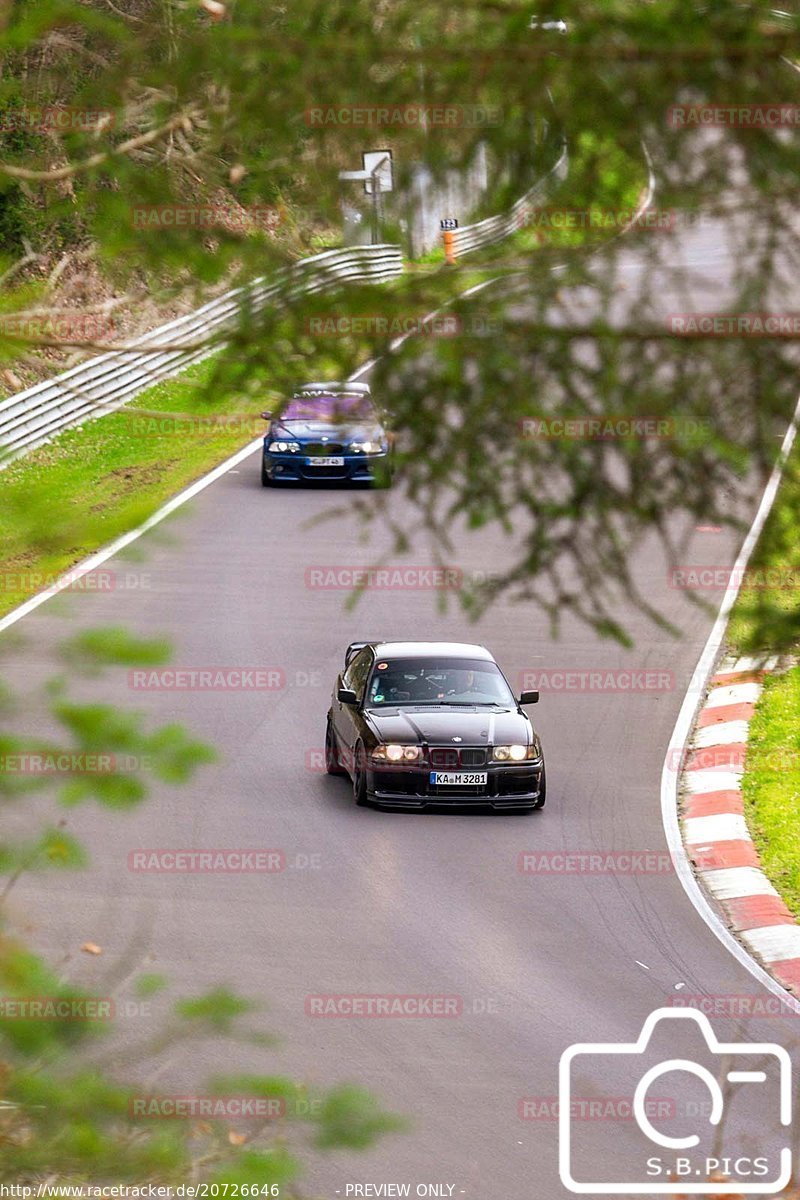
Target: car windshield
<point x="342" y="407"/>
<point x="437" y="681"/>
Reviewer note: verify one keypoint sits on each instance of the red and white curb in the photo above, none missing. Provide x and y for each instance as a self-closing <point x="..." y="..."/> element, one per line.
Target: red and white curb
<point x="715" y="832"/>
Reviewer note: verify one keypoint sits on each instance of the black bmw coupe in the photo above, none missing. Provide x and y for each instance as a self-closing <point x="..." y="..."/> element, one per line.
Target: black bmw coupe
<point x="426" y="724"/>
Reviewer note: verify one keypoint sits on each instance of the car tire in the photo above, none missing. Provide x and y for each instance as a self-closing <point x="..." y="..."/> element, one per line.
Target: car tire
<point x="360" y="776"/>
<point x="332" y="764"/>
<point x="542" y="792"/>
<point x="265" y="479"/>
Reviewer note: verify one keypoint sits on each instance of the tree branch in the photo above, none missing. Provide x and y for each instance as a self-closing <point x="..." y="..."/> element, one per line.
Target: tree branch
<point x="95" y="160"/>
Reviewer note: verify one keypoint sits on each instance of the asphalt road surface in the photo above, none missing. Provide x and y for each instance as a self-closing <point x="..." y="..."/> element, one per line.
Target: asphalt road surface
<point x="390" y="903"/>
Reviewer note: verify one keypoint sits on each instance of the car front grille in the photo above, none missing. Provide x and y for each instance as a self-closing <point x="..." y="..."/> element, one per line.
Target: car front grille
<point x="447" y="758"/>
<point x="321" y="449"/>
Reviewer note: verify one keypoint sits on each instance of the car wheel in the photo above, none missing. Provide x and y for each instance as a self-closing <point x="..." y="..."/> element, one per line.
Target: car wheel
<point x="265" y="479"/>
<point x="360" y="776"/>
<point x="542" y="791"/>
<point x="332" y="764"/>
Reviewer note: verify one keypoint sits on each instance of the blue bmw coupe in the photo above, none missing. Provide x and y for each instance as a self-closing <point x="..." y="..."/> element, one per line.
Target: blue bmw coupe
<point x="330" y="432"/>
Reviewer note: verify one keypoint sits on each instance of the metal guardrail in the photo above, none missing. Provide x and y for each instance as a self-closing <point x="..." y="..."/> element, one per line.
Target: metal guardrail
<point x="469" y="238"/>
<point x="103" y="384"/>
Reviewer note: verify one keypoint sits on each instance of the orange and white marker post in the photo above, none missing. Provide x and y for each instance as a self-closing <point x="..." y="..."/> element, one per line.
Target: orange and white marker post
<point x="448" y="226"/>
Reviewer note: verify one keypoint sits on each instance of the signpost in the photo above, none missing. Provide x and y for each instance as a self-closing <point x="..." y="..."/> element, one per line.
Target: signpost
<point x="377" y="177"/>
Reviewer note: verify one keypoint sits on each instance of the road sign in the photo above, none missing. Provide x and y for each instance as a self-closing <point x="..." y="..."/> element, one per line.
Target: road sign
<point x="378" y="166"/>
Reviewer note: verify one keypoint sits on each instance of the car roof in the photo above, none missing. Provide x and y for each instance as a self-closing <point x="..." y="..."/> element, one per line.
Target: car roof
<point x="394" y="650"/>
<point x="332" y="389"/>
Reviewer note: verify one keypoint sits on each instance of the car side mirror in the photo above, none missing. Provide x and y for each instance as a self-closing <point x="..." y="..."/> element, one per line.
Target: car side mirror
<point x="266" y="416"/>
<point x="529" y="698"/>
<point x="346" y="695"/>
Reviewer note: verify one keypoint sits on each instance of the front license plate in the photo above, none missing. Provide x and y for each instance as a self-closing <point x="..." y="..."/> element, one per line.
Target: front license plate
<point x="326" y="462"/>
<point x="459" y="778"/>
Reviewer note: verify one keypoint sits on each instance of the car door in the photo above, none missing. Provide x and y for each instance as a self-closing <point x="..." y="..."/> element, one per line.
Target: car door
<point x="347" y="717"/>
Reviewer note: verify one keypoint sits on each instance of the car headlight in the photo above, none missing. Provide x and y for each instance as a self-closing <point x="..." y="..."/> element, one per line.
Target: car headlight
<point x="395" y="753"/>
<point x="283" y="447"/>
<point x="516" y="753"/>
<point x="366" y="447"/>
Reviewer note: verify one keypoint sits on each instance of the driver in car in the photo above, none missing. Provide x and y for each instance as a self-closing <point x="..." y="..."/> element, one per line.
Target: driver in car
<point x="462" y="685"/>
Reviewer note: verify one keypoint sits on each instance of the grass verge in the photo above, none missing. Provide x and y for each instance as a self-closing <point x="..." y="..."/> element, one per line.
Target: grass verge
<point x="771" y="784"/>
<point x="766" y="619"/>
<point x="91" y="484"/>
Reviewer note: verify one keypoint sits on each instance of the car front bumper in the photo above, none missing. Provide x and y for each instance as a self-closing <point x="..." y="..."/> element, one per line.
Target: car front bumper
<point x="296" y="468"/>
<point x="507" y="786"/>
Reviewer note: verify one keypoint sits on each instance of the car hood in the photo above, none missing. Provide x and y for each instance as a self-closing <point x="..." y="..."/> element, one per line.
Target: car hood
<point x="315" y="431"/>
<point x="438" y="726"/>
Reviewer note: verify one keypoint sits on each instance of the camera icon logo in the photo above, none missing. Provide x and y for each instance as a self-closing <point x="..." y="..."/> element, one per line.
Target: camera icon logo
<point x="678" y="1166"/>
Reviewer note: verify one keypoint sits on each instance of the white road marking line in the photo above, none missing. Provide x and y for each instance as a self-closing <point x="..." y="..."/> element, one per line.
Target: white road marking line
<point x="641" y="964"/>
